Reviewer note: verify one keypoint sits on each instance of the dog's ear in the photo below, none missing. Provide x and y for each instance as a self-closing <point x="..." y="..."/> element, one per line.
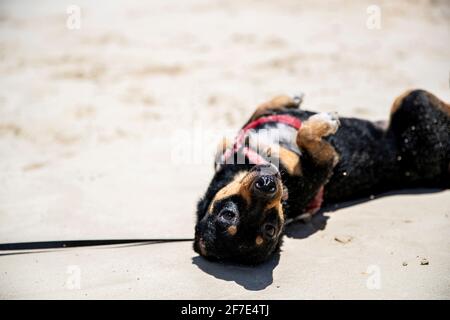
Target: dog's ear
<point x="224" y="145"/>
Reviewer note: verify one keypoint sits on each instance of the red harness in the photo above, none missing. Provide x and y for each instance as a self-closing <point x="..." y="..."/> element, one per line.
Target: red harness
<point x="256" y="158"/>
<point x="253" y="156"/>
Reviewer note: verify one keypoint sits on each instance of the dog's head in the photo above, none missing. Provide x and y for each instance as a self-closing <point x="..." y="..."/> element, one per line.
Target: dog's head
<point x="241" y="218"/>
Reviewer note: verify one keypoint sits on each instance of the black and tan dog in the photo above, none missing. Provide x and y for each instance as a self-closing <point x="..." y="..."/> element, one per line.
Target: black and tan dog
<point x="242" y="216"/>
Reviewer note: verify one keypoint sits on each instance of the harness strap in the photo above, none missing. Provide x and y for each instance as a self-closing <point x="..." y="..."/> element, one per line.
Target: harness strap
<point x="255" y="158"/>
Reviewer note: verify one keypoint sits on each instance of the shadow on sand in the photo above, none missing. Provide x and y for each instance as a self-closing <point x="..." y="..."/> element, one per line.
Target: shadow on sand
<point x="259" y="277"/>
<point x="253" y="278"/>
<point x="302" y="229"/>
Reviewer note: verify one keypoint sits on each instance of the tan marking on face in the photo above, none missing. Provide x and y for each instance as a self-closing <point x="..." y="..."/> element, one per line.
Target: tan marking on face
<point x="239" y="186"/>
<point x="232" y="230"/>
<point x="291" y="161"/>
<point x="276" y="201"/>
<point x="233" y="187"/>
<point x="280" y="213"/>
<point x="259" y="240"/>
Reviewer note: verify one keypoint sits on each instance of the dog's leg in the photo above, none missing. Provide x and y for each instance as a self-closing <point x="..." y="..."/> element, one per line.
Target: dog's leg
<point x="421" y="97"/>
<point x="309" y="139"/>
<point x="316" y="163"/>
<point x="420" y="127"/>
<point x="277" y="103"/>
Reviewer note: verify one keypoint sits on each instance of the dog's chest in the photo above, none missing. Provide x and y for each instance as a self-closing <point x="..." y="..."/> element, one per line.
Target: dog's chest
<point x="274" y="134"/>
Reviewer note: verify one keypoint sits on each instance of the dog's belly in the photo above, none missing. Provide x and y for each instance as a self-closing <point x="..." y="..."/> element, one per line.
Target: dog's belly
<point x="367" y="161"/>
<point x="367" y="158"/>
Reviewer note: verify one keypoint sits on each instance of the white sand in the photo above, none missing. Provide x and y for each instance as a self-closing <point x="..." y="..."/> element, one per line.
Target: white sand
<point x="87" y="125"/>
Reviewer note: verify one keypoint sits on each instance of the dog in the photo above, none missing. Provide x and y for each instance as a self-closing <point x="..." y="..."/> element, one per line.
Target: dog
<point x="320" y="159"/>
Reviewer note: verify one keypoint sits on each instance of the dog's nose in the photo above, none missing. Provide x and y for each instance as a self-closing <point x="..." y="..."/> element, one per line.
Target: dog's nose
<point x="266" y="184"/>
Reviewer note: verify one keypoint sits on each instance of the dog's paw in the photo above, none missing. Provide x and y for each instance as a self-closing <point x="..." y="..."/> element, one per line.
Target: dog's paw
<point x="328" y="122"/>
<point x="297" y="98"/>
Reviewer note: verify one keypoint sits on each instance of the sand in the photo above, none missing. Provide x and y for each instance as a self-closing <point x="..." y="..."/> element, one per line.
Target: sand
<point x="101" y="129"/>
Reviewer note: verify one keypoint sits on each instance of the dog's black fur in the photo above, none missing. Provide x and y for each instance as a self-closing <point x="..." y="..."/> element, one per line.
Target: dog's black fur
<point x="246" y="226"/>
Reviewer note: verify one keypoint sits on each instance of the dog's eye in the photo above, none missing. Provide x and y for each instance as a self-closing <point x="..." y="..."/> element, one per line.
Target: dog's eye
<point x="269" y="230"/>
<point x="227" y="215"/>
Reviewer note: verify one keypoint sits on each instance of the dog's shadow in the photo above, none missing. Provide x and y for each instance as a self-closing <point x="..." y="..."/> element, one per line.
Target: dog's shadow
<point x="259" y="277"/>
<point x="252" y="278"/>
<point x="302" y="229"/>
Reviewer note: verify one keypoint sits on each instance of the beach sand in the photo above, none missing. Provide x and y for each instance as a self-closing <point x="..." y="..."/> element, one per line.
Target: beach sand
<point x="108" y="132"/>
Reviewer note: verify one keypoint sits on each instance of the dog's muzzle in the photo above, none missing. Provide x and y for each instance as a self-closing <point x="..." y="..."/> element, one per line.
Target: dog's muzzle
<point x="267" y="183"/>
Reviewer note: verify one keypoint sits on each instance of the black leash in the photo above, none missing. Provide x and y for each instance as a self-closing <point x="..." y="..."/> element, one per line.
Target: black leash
<point x="81" y="243"/>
